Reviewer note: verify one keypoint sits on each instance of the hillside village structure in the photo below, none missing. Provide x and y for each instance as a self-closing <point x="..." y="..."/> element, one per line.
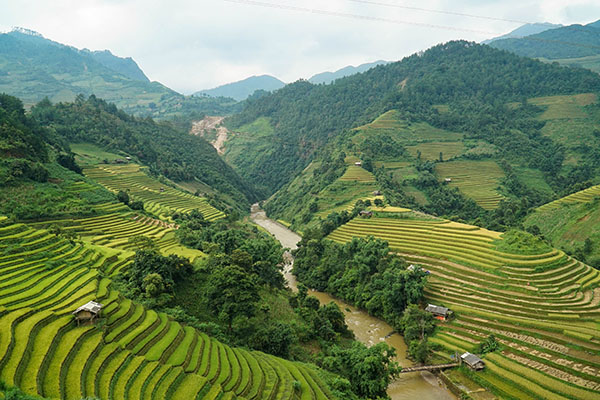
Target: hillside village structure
<point x="439" y="312"/>
<point x="472" y="361"/>
<point x="88" y="312"/>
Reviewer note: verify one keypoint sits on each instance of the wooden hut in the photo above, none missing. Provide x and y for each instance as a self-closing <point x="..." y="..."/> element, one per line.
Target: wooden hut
<point x="88" y="312"/>
<point x="439" y="312"/>
<point x="365" y="213"/>
<point x="472" y="361"/>
<point x="358" y="163"/>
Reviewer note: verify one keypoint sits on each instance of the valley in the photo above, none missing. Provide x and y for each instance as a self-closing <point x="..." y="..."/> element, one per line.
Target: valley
<point x="302" y="241"/>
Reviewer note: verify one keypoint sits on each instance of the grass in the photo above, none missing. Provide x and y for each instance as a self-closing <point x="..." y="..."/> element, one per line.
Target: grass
<point x="358" y="174"/>
<point x="478" y="180"/>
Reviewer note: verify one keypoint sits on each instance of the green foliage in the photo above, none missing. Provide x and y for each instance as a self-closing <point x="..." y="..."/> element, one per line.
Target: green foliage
<point x="232" y="294"/>
<point x="520" y="242"/>
<point x="123" y="197"/>
<point x="490" y="344"/>
<point x="13" y="393"/>
<point x="369" y="369"/>
<point x="416" y="325"/>
<point x="361" y="272"/>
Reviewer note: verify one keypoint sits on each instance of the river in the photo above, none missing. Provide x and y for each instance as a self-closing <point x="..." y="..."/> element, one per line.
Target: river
<point x="367" y="329"/>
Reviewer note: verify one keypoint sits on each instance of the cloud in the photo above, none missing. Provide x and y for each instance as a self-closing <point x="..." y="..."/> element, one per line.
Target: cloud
<point x="192" y="45"/>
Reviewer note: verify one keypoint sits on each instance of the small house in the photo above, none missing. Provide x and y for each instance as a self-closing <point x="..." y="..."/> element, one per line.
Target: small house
<point x="358" y="163"/>
<point x="128" y="158"/>
<point x="162" y="189"/>
<point x="472" y="361"/>
<point x="439" y="312"/>
<point x="448" y="180"/>
<point x="365" y="213"/>
<point x="377" y="193"/>
<point x="120" y="161"/>
<point x="88" y="312"/>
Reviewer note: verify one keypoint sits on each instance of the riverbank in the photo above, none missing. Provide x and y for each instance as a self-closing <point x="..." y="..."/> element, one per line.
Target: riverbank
<point x="367" y="329"/>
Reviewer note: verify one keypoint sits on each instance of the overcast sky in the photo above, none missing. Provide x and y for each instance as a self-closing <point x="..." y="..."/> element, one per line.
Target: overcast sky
<point x="192" y="45"/>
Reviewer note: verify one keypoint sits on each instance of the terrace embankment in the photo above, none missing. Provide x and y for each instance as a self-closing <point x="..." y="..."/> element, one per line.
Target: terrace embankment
<point x="367" y="329"/>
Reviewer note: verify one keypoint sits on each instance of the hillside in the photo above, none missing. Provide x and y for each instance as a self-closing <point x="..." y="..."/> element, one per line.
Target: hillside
<point x="33" y="67"/>
<point x="571" y="41"/>
<point x="570" y="223"/>
<point x="539" y="304"/>
<point x="328" y="77"/>
<point x="165" y="149"/>
<point x="573" y="45"/>
<point x="302" y="118"/>
<point x="125" y="66"/>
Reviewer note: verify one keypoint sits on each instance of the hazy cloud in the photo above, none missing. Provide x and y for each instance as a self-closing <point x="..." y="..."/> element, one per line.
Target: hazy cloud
<point x="193" y="45"/>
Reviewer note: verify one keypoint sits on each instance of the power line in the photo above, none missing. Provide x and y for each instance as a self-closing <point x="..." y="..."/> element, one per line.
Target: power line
<point x="377" y="3"/>
<point x="356" y="16"/>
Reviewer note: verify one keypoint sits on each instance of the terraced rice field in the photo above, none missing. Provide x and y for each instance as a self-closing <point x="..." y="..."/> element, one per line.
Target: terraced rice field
<point x="543" y="308"/>
<point x="583" y="196"/>
<point x="358" y="174"/>
<point x="431" y="151"/>
<point x="115" y="230"/>
<point x="133" y="353"/>
<point x="478" y="180"/>
<point x="158" y="198"/>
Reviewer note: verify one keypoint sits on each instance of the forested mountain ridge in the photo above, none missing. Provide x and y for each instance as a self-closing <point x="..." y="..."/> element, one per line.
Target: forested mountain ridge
<point x="304" y="117"/>
<point x="328" y="77"/>
<point x="33" y="67"/>
<point x="571" y="41"/>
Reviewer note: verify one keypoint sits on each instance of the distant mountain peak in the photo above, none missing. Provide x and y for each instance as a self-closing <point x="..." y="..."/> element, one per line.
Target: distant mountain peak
<point x="241" y="90"/>
<point x="525" y="30"/>
<point x="25" y="31"/>
<point x="328" y="77"/>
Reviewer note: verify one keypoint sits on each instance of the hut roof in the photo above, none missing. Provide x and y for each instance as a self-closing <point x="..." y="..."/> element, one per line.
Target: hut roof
<point x="437" y="309"/>
<point x="90" y="306"/>
<point x="471" y="359"/>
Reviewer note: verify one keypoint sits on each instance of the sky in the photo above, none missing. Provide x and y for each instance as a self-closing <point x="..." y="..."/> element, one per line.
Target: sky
<point x="194" y="45"/>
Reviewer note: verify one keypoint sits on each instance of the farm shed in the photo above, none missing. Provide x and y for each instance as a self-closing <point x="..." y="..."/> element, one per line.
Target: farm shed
<point x="439" y="312"/>
<point x="448" y="180"/>
<point x="87" y="312"/>
<point x="365" y="213"/>
<point x="358" y="163"/>
<point x="377" y="193"/>
<point x="472" y="361"/>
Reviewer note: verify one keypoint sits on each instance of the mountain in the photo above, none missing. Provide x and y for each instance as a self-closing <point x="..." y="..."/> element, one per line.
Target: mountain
<point x="33" y="67"/>
<point x="328" y="77"/>
<point x="291" y="126"/>
<point x="124" y="66"/>
<point x="573" y="41"/>
<point x="594" y="24"/>
<point x="242" y="89"/>
<point x="525" y="30"/>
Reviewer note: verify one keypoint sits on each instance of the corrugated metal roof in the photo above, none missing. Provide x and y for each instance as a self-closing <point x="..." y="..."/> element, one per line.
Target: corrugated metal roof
<point x="90" y="306"/>
<point x="437" y="309"/>
<point x="470" y="359"/>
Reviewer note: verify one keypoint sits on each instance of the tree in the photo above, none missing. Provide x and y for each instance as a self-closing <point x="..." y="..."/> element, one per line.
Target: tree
<point x="232" y="293"/>
<point x="123" y="197"/>
<point x="141" y="242"/>
<point x="153" y="285"/>
<point x="416" y="324"/>
<point x="378" y="202"/>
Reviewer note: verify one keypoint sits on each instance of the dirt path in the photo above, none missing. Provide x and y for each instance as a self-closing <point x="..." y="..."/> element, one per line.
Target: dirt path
<point x="208" y="124"/>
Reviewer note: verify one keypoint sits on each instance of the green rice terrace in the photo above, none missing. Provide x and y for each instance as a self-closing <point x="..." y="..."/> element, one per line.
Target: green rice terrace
<point x="158" y="198"/>
<point x="478" y="180"/>
<point x="131" y="352"/>
<point x="116" y="229"/>
<point x="542" y="305"/>
<point x="583" y="196"/>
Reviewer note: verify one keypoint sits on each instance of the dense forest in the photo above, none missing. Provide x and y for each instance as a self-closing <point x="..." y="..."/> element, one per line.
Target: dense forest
<point x="476" y="77"/>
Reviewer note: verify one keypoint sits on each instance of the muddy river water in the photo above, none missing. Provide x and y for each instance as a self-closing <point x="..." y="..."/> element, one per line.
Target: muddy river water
<point x="367" y="329"/>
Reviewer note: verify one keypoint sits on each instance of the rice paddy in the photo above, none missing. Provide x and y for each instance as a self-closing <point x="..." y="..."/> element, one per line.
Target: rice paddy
<point x="543" y="308"/>
<point x="478" y="180"/>
<point x="133" y="352"/>
<point x="584" y="196"/>
<point x="158" y="198"/>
